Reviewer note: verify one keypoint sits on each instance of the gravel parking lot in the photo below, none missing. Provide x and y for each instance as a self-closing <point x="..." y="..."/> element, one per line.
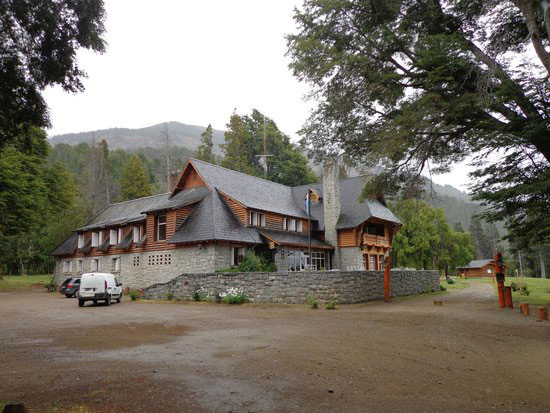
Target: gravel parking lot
<point x="409" y="355"/>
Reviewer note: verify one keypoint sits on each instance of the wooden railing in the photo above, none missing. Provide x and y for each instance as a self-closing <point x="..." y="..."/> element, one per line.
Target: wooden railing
<point x="376" y="241"/>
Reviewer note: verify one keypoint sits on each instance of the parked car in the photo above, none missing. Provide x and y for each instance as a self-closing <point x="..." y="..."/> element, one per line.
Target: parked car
<point x="70" y="287"/>
<point x="99" y="286"/>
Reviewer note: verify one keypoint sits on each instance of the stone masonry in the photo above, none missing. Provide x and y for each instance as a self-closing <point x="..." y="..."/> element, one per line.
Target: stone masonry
<point x="345" y="287"/>
<point x="331" y="205"/>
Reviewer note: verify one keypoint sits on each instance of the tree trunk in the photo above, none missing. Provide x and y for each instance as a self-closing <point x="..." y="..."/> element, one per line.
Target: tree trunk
<point x="542" y="266"/>
<point x="520" y="264"/>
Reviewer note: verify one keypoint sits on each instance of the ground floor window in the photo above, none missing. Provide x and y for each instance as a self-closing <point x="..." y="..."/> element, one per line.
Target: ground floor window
<point x="382" y="262"/>
<point x="116" y="264"/>
<point x="372" y="262"/>
<point x="96" y="265"/>
<point x="237" y="255"/>
<point x="299" y="260"/>
<point x="67" y="266"/>
<point x="318" y="260"/>
<point x="79" y="266"/>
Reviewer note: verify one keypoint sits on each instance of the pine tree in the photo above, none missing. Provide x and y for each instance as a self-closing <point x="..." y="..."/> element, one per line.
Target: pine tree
<point x="134" y="182"/>
<point x="481" y="240"/>
<point x="204" y="152"/>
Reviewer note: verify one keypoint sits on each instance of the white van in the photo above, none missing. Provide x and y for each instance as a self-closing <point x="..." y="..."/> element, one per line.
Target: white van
<point x="99" y="286"/>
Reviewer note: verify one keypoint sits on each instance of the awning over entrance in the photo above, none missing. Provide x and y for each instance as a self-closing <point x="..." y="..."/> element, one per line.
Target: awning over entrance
<point x="291" y="239"/>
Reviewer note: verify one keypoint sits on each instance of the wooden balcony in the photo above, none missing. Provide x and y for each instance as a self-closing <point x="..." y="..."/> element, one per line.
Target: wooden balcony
<point x="375" y="241"/>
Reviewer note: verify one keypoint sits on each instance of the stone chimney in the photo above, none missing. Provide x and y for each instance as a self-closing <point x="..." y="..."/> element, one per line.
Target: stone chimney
<point x="331" y="205"/>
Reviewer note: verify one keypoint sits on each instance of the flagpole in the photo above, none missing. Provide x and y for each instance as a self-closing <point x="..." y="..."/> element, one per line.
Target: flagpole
<point x="309" y="224"/>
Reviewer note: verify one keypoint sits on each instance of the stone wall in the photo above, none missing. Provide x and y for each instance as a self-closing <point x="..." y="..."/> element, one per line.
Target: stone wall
<point x="345" y="287"/>
<point x="141" y="270"/>
<point x="350" y="258"/>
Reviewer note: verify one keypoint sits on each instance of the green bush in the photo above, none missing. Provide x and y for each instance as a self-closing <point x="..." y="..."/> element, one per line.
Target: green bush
<point x="524" y="289"/>
<point x="312" y="302"/>
<point x="233" y="296"/>
<point x="450" y="281"/>
<point x="50" y="286"/>
<point x="200" y="294"/>
<point x="514" y="285"/>
<point x="442" y="288"/>
<point x="253" y="263"/>
<point x="170" y="296"/>
<point x="331" y="305"/>
<point x="134" y="295"/>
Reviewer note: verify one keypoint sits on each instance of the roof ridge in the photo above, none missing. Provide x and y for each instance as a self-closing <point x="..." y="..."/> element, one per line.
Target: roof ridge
<point x="137" y="199"/>
<point x="239" y="172"/>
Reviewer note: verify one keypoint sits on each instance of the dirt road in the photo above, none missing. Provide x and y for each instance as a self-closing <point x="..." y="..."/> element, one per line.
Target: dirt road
<point x="406" y="356"/>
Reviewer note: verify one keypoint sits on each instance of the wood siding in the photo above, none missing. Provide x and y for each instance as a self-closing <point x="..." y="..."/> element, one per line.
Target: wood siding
<point x="238" y="209"/>
<point x="347" y="237"/>
<point x="152" y="244"/>
<point x="191" y="179"/>
<point x="182" y="214"/>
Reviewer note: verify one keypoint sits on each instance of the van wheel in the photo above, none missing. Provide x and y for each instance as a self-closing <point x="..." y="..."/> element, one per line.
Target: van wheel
<point x="80" y="303"/>
<point x="68" y="295"/>
<point x="119" y="299"/>
<point x="108" y="300"/>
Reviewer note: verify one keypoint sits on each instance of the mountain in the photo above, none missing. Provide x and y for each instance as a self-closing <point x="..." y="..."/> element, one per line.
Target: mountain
<point x="151" y="136"/>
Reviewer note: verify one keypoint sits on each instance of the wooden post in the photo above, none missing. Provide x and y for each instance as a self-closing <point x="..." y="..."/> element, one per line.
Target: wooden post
<point x="387" y="280"/>
<point x="542" y="314"/>
<point x="508" y="297"/>
<point x="500" y="288"/>
<point x="524" y="308"/>
<point x="500" y="281"/>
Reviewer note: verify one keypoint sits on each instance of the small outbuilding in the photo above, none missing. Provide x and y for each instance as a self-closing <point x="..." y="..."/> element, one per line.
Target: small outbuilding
<point x="479" y="268"/>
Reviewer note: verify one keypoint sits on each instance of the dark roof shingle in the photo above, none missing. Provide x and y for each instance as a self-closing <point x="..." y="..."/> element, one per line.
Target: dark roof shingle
<point x="67" y="247"/>
<point x="293" y="239"/>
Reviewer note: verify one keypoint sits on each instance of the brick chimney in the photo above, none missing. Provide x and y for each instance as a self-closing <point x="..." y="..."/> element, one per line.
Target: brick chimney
<point x="331" y="205"/>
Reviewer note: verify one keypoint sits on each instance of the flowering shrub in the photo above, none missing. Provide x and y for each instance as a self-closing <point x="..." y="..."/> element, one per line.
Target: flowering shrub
<point x="200" y="294"/>
<point x="233" y="296"/>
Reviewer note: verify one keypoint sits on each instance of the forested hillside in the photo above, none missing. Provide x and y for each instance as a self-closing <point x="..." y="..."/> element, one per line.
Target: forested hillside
<point x="179" y="134"/>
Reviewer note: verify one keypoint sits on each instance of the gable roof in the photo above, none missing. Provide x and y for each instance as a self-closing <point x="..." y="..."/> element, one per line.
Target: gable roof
<point x="212" y="220"/>
<point x="352" y="212"/>
<point x="479" y="263"/>
<point x="251" y="191"/>
<point x="67" y="247"/>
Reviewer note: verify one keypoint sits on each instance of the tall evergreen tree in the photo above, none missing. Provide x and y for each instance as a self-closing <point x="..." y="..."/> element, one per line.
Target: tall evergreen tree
<point x="205" y="149"/>
<point x="244" y="149"/>
<point x="134" y="182"/>
<point x="481" y="241"/>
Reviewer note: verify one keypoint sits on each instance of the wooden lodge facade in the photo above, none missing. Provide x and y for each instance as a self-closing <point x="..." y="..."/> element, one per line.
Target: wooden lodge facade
<point x="214" y="216"/>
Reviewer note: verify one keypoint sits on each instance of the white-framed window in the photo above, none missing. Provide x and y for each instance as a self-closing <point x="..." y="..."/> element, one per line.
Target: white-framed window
<point x="79" y="266"/>
<point x="95" y="239"/>
<point x="318" y="260"/>
<point x="299" y="226"/>
<point x="100" y="237"/>
<point x="160" y="230"/>
<point x="67" y="266"/>
<point x="96" y="265"/>
<point x="116" y="264"/>
<point x="120" y="233"/>
<point x="382" y="262"/>
<point x="80" y="240"/>
<point x="289" y="224"/>
<point x="257" y="219"/>
<point x="113" y="237"/>
<point x="237" y="255"/>
<point x="136" y="233"/>
<point x="372" y="262"/>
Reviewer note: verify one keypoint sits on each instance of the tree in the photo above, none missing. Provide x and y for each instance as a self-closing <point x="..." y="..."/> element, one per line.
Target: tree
<point x="205" y="149"/>
<point x="38" y="45"/>
<point x="418" y="85"/>
<point x="134" y="182"/>
<point x="426" y="240"/>
<point x="244" y="148"/>
<point x="483" y="245"/>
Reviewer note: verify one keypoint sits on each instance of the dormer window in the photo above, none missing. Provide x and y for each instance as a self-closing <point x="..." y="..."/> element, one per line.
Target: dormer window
<point x="257" y="219"/>
<point x="299" y="226"/>
<point x="80" y="240"/>
<point x="95" y="239"/>
<point x="289" y="224"/>
<point x="113" y="237"/>
<point x="160" y="227"/>
<point x="136" y="234"/>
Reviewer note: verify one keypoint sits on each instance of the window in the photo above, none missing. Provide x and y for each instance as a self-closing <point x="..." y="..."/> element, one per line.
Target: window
<point x="297" y="260"/>
<point x="374" y="229"/>
<point x="80" y="240"/>
<point x="67" y="266"/>
<point x="113" y="237"/>
<point x="237" y="256"/>
<point x="136" y="234"/>
<point x="382" y="262"/>
<point x="95" y="239"/>
<point x="100" y="237"/>
<point x="318" y="261"/>
<point x="79" y="266"/>
<point x="289" y="224"/>
<point x="120" y="233"/>
<point x="299" y="226"/>
<point x="116" y="264"/>
<point x="372" y="262"/>
<point x="136" y="261"/>
<point x="161" y="227"/>
<point x="257" y="219"/>
<point x="159" y="259"/>
<point x="96" y="265"/>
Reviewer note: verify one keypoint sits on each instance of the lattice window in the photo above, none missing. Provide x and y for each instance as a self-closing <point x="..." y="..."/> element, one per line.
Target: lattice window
<point x="136" y="261"/>
<point x="159" y="259"/>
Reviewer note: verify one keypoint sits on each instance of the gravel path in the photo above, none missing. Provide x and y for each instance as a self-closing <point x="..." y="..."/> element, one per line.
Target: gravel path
<point x="409" y="355"/>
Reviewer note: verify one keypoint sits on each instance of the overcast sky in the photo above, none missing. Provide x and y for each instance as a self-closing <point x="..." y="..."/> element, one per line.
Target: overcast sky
<point x="192" y="62"/>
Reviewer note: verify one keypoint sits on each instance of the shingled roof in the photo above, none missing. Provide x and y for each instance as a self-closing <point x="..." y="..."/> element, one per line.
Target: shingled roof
<point x="293" y="239"/>
<point x="352" y="212"/>
<point x="254" y="192"/>
<point x="67" y="247"/>
<point x="181" y="199"/>
<point x="212" y="220"/>
<point x="478" y="263"/>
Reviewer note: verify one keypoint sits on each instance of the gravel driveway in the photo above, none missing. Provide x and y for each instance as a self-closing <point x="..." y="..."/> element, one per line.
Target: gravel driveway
<point x="409" y="355"/>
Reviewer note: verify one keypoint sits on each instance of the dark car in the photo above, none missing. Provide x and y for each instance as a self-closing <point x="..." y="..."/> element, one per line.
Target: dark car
<point x="70" y="287"/>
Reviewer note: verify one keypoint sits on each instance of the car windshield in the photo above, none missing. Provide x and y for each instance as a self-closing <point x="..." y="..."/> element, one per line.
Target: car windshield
<point x="67" y="281"/>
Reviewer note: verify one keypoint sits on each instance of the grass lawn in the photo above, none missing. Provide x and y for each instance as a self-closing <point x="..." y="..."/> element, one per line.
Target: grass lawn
<point x="17" y="283"/>
<point x="458" y="283"/>
<point x="539" y="289"/>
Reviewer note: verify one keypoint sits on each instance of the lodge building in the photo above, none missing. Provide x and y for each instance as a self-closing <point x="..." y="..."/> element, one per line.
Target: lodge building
<point x="214" y="216"/>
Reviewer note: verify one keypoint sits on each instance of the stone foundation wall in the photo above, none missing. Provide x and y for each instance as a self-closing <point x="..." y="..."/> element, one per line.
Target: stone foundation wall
<point x="141" y="270"/>
<point x="345" y="287"/>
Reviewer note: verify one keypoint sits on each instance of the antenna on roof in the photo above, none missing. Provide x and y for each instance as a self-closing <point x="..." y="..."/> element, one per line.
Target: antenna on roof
<point x="263" y="158"/>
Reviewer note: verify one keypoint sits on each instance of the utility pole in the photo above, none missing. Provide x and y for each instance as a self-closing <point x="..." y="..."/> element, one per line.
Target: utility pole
<point x="263" y="158"/>
<point x="166" y="137"/>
